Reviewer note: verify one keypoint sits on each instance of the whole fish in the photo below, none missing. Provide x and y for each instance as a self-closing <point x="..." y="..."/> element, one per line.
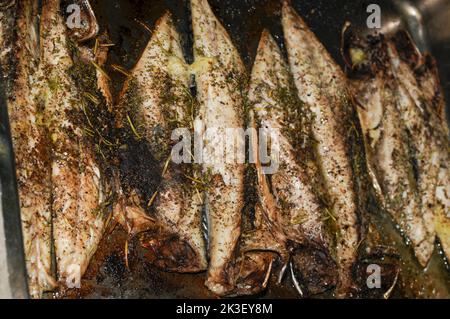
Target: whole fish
<point x="157" y="98"/>
<point x="77" y="189"/>
<point x="420" y="78"/>
<point x="387" y="140"/>
<point x="31" y="151"/>
<point x="426" y="149"/>
<point x="322" y="85"/>
<point x="290" y="195"/>
<point x="219" y="71"/>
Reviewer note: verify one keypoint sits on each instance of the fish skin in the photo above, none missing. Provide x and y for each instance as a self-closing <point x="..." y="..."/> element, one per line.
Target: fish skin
<point x="78" y="220"/>
<point x="258" y="250"/>
<point x="295" y="212"/>
<point x="436" y="105"/>
<point x="322" y="85"/>
<point x="31" y="153"/>
<point x="221" y="108"/>
<point x="426" y="148"/>
<point x="389" y="150"/>
<point x="177" y="206"/>
<point x="423" y="85"/>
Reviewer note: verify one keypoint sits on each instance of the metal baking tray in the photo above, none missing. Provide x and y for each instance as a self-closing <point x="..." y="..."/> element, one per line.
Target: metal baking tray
<point x="428" y="21"/>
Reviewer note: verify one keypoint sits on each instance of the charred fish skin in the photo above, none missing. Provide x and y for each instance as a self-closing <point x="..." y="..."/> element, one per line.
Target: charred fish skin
<point x="323" y="87"/>
<point x="78" y="221"/>
<point x="423" y="85"/>
<point x="7" y="35"/>
<point x="426" y="149"/>
<point x="31" y="152"/>
<point x="299" y="214"/>
<point x="219" y="69"/>
<point x="389" y="147"/>
<point x="251" y="271"/>
<point x="159" y="85"/>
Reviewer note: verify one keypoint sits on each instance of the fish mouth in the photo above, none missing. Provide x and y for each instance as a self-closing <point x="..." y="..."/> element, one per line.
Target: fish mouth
<point x="170" y="253"/>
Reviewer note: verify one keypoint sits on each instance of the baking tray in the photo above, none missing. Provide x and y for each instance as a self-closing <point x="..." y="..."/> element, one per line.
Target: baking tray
<point x="428" y="21"/>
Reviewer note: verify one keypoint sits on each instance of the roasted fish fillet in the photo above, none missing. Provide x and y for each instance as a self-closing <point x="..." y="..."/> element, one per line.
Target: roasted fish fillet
<point x="219" y="71"/>
<point x="293" y="207"/>
<point x="31" y="151"/>
<point x="322" y="85"/>
<point x="388" y="144"/>
<point x="77" y="190"/>
<point x="420" y="79"/>
<point x="157" y="97"/>
<point x="425" y="147"/>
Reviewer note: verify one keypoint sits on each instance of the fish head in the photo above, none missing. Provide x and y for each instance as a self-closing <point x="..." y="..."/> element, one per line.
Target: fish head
<point x="251" y="273"/>
<point x="313" y="270"/>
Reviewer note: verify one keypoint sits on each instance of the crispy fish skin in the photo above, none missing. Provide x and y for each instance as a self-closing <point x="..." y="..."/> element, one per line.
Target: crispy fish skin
<point x="78" y="220"/>
<point x="426" y="149"/>
<point x="389" y="150"/>
<point x="32" y="154"/>
<point x="160" y="80"/>
<point x="221" y="106"/>
<point x="297" y="211"/>
<point x="421" y="80"/>
<point x="323" y="87"/>
<point x="7" y="20"/>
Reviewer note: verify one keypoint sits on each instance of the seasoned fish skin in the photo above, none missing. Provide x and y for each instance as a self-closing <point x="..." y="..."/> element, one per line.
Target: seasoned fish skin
<point x="218" y="70"/>
<point x="299" y="214"/>
<point x="78" y="221"/>
<point x="160" y="84"/>
<point x="436" y="106"/>
<point x="389" y="147"/>
<point x="31" y="153"/>
<point x="421" y="81"/>
<point x="323" y="87"/>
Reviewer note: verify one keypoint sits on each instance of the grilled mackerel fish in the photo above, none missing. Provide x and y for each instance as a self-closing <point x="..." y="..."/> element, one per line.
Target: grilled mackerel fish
<point x="219" y="71"/>
<point x="323" y="87"/>
<point x="77" y="189"/>
<point x="31" y="151"/>
<point x="290" y="195"/>
<point x="388" y="144"/>
<point x="420" y="79"/>
<point x="157" y="98"/>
